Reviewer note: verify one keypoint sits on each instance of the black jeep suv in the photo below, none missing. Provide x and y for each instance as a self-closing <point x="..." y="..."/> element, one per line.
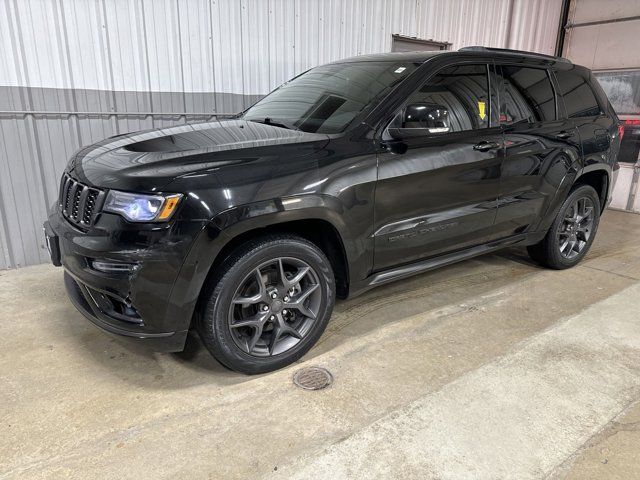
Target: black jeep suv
<point x="351" y="175"/>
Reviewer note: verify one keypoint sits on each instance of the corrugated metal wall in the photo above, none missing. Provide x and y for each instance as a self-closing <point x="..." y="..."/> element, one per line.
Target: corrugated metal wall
<point x="75" y="71"/>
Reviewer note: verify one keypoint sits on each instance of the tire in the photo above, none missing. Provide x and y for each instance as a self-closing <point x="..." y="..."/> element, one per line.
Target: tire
<point x="553" y="251"/>
<point x="253" y="321"/>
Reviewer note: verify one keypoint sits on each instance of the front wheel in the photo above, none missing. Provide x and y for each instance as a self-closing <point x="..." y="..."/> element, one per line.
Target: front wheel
<point x="272" y="300"/>
<point x="572" y="232"/>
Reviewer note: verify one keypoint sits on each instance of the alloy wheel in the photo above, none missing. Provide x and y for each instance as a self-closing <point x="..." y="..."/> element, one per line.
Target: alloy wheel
<point x="576" y="228"/>
<point x="275" y="306"/>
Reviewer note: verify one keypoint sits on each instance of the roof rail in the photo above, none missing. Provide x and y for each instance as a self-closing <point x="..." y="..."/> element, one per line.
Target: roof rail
<point x="479" y="48"/>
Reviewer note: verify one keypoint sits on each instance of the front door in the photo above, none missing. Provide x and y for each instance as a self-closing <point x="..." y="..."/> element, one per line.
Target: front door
<point x="438" y="184"/>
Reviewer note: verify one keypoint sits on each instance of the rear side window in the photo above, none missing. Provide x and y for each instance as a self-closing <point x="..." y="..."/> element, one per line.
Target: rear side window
<point x="457" y="98"/>
<point x="526" y="95"/>
<point x="579" y="99"/>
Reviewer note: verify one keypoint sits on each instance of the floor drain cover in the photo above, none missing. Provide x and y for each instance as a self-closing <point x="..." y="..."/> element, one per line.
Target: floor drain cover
<point x="313" y="378"/>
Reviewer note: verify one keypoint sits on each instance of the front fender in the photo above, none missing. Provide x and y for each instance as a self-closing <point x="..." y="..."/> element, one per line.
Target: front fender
<point x="240" y="219"/>
<point x="229" y="224"/>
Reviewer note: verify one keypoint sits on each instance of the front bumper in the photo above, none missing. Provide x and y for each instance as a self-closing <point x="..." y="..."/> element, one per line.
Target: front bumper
<point x="140" y="303"/>
<point x="80" y="296"/>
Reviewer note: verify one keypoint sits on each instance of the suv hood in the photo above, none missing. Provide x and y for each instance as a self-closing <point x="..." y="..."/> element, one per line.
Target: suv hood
<point x="148" y="160"/>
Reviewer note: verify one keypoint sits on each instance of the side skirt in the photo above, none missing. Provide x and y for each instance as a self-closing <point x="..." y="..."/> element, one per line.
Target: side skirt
<point x="422" y="266"/>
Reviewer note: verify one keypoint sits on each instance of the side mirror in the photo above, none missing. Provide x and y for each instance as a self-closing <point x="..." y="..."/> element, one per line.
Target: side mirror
<point x="419" y="119"/>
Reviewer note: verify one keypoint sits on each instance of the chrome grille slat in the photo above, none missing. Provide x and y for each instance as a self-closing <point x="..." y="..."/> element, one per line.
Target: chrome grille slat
<point x="67" y="193"/>
<point x="77" y="191"/>
<point x="89" y="206"/>
<point x="80" y="203"/>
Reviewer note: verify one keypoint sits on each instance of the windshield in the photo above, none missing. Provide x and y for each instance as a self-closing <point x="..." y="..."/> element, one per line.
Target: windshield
<point x="327" y="98"/>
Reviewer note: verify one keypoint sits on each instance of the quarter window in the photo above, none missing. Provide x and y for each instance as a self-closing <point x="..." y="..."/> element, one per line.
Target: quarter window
<point x="456" y="99"/>
<point x="579" y="99"/>
<point x="526" y="95"/>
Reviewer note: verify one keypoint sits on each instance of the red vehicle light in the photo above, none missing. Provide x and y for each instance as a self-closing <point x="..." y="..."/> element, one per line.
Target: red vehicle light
<point x="632" y="122"/>
<point x="621" y="130"/>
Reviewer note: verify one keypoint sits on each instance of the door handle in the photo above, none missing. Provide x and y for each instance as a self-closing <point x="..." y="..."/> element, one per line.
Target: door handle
<point x="563" y="135"/>
<point x="485" y="146"/>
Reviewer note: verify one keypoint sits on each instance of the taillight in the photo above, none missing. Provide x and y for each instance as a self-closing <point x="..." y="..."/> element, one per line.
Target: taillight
<point x="620" y="131"/>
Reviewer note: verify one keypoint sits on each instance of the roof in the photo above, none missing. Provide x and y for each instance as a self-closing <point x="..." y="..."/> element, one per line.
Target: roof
<point x="418" y="57"/>
<point x="421" y="56"/>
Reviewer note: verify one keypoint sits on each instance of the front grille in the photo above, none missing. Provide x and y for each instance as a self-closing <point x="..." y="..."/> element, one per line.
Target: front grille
<point x="80" y="203"/>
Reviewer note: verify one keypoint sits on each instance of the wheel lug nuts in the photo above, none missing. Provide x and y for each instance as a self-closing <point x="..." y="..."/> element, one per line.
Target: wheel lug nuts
<point x="273" y="295"/>
<point x="284" y="312"/>
<point x="265" y="308"/>
<point x="272" y="317"/>
<point x="286" y="299"/>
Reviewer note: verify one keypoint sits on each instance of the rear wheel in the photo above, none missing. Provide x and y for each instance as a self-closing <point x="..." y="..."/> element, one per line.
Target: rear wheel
<point x="572" y="232"/>
<point x="270" y="304"/>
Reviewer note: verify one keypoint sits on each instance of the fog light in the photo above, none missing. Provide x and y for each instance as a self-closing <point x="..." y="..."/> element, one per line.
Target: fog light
<point x="113" y="267"/>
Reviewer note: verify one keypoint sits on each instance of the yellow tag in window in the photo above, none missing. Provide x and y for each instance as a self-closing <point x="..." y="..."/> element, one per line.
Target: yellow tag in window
<point x="482" y="110"/>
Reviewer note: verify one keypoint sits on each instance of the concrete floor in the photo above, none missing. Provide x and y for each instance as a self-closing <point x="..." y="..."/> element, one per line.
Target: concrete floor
<point x="492" y="368"/>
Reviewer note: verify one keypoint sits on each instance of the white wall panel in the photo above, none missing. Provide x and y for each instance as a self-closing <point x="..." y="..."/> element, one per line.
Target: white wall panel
<point x="238" y="46"/>
<point x="534" y="25"/>
<point x="227" y="46"/>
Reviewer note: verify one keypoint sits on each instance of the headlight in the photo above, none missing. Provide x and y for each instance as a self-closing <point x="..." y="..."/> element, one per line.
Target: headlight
<point x="136" y="207"/>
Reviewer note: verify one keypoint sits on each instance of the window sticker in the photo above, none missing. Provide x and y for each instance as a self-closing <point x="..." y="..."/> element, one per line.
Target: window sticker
<point x="482" y="109"/>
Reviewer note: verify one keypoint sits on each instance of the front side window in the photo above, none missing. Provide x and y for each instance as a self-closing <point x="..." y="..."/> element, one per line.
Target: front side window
<point x="327" y="98"/>
<point x="579" y="99"/>
<point x="456" y="99"/>
<point x="526" y="95"/>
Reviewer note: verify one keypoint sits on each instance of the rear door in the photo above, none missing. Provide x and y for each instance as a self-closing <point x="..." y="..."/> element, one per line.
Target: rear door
<point x="540" y="146"/>
<point x="582" y="108"/>
<point x="437" y="190"/>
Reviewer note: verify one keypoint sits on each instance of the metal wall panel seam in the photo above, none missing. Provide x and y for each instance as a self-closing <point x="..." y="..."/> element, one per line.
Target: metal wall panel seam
<point x="27" y="230"/>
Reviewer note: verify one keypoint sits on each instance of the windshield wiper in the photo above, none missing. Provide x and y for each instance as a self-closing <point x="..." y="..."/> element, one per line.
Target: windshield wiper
<point x="276" y="123"/>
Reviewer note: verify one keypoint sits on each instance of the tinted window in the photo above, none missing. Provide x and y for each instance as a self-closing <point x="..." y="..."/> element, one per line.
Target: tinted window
<point x="327" y="98"/>
<point x="579" y="99"/>
<point x="458" y="95"/>
<point x="526" y="94"/>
